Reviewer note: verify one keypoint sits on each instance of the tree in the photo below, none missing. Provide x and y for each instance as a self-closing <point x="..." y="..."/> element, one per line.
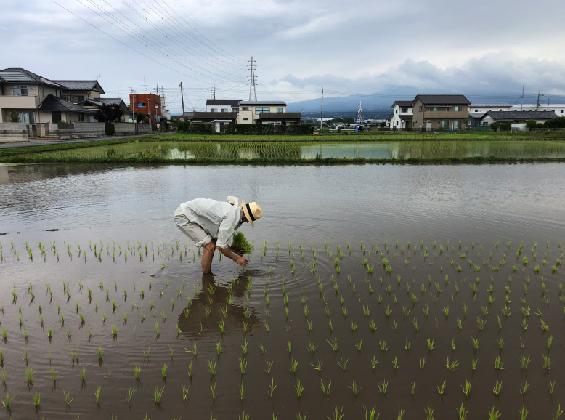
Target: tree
<point x="109" y="113"/>
<point x="555" y="123"/>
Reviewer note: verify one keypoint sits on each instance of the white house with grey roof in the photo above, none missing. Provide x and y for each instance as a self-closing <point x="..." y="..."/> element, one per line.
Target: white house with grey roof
<point x="401" y="118"/>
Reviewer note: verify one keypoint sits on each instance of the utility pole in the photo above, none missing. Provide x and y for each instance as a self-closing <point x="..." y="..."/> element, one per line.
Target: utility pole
<point x="322" y="111"/>
<point x="182" y="98"/>
<point x="132" y="100"/>
<point x="214" y="92"/>
<point x="522" y="97"/>
<point x="538" y="104"/>
<point x="252" y="79"/>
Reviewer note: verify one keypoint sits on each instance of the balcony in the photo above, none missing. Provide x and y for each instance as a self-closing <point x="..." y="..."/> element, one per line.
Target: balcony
<point x="18" y="102"/>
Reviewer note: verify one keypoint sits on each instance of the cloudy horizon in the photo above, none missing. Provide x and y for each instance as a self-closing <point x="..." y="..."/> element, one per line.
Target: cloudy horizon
<point x="364" y="48"/>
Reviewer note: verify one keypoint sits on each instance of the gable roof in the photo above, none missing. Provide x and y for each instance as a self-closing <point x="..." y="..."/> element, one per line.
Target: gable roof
<point x="443" y="99"/>
<point x="520" y="115"/>
<point x="52" y="103"/>
<point x="81" y="85"/>
<point x="402" y="103"/>
<point x="21" y="75"/>
<point x="231" y="102"/>
<point x="253" y="103"/>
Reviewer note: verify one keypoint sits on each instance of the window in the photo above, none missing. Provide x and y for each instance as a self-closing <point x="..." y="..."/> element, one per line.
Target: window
<point x="245" y="108"/>
<point x="141" y="105"/>
<point x="280" y="110"/>
<point x="56" y="117"/>
<point x="404" y="110"/>
<point x="444" y="124"/>
<point x="212" y="109"/>
<point x="476" y="110"/>
<point x="81" y="117"/>
<point x="246" y="119"/>
<point x="562" y="111"/>
<point x="455" y="125"/>
<point x="262" y="110"/>
<point x="456" y="108"/>
<point x="20" y="91"/>
<point x="224" y="110"/>
<point x="396" y="110"/>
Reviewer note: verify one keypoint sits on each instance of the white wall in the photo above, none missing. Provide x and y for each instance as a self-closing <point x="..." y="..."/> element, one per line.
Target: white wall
<point x="397" y="123"/>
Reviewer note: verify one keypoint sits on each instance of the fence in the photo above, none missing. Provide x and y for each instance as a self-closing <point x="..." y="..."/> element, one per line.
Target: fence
<point x="13" y="132"/>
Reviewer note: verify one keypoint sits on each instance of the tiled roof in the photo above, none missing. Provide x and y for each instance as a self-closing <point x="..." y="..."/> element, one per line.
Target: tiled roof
<point x="231" y="102"/>
<point x="20" y="75"/>
<point x="51" y="103"/>
<point x="254" y="103"/>
<point x="81" y="85"/>
<point x="402" y="103"/>
<point x="521" y="115"/>
<point x="212" y="116"/>
<point x="443" y="99"/>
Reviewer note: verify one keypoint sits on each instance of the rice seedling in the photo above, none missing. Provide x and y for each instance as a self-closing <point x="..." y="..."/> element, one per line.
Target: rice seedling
<point x="442" y="388"/>
<point x="29" y="377"/>
<point x="299" y="389"/>
<point x="37" y="401"/>
<point x="100" y="355"/>
<point x="7" y="402"/>
<point x="462" y="412"/>
<point x="383" y="387"/>
<point x="164" y="370"/>
<point x="271" y="388"/>
<point x="67" y="397"/>
<point x="98" y="395"/>
<point x="498" y="363"/>
<point x="494" y="414"/>
<point x="497" y="388"/>
<point x="158" y="393"/>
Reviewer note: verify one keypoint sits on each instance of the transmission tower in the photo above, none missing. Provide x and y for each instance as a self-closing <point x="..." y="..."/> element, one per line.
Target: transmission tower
<point x="252" y="67"/>
<point x="360" y="115"/>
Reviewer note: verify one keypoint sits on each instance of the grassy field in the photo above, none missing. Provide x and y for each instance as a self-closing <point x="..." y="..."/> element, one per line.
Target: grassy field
<point x="326" y="149"/>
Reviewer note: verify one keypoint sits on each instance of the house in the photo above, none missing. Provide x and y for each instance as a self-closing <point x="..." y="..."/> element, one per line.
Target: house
<point x="217" y="119"/>
<point x="77" y="91"/>
<point x="266" y="112"/>
<point x="28" y="98"/>
<point x="54" y="110"/>
<point x="21" y="93"/>
<point x="477" y="111"/>
<point x="146" y="104"/>
<point x="401" y="118"/>
<point x="222" y="105"/>
<point x="516" y="117"/>
<point x="440" y="112"/>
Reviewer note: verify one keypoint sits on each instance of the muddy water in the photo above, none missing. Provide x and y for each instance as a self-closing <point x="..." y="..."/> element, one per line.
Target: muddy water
<point x="356" y="277"/>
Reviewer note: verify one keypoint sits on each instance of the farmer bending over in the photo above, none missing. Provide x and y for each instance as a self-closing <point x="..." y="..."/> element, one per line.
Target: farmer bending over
<point x="210" y="224"/>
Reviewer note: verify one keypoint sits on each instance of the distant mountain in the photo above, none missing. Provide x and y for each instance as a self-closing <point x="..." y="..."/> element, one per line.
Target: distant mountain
<point x="378" y="105"/>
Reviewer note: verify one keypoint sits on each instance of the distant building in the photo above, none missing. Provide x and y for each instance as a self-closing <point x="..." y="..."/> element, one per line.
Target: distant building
<point x="516" y="117"/>
<point x="478" y="111"/>
<point x="559" y="109"/>
<point x="146" y="104"/>
<point x="440" y="112"/>
<point x="222" y="105"/>
<point x="401" y="118"/>
<point x="217" y="119"/>
<point x="266" y="112"/>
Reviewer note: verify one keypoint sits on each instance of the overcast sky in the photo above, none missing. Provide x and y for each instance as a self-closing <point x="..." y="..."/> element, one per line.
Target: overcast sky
<point x="349" y="47"/>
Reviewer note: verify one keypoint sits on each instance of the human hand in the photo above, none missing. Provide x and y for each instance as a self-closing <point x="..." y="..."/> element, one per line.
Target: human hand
<point x="242" y="261"/>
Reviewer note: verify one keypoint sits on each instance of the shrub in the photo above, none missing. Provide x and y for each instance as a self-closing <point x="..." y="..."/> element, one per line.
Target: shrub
<point x="555" y="123"/>
<point x="501" y="126"/>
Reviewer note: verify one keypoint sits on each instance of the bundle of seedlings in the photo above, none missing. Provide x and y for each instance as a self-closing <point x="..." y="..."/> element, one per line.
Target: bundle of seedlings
<point x="241" y="245"/>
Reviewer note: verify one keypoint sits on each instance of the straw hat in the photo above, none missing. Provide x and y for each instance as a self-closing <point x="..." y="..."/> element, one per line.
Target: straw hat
<point x="252" y="211"/>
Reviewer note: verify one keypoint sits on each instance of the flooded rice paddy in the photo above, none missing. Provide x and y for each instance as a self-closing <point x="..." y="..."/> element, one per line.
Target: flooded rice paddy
<point x="380" y="151"/>
<point x="419" y="292"/>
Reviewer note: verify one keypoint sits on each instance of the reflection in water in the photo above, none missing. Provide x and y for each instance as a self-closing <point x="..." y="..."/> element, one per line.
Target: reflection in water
<point x="215" y="303"/>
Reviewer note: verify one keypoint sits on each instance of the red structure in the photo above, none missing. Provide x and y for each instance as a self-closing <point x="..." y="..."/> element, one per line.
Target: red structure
<point x="146" y="104"/>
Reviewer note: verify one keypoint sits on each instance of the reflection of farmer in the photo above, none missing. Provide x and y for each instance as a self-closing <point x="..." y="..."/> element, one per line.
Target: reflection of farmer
<point x="211" y="224"/>
<point x="216" y="298"/>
